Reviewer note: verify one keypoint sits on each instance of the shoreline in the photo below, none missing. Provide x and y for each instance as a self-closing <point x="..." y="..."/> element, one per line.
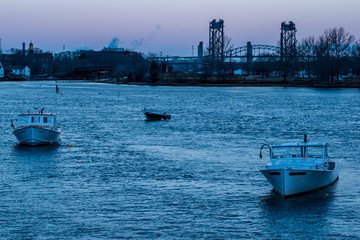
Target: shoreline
<point x="271" y="83"/>
<point x="243" y="85"/>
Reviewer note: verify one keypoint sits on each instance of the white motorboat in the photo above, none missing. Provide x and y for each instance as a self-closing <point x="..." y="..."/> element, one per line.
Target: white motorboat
<point x="296" y="168"/>
<point x="37" y="128"/>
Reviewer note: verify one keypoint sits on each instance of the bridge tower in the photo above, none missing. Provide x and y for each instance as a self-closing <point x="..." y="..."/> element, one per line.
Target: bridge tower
<point x="288" y="53"/>
<point x="249" y="56"/>
<point x="216" y="40"/>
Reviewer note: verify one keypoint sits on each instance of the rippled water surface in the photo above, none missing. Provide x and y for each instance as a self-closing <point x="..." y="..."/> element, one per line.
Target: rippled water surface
<point x="195" y="176"/>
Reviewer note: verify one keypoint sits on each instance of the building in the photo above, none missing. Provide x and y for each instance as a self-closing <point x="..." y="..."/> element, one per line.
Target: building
<point x="19" y="72"/>
<point x="1" y="71"/>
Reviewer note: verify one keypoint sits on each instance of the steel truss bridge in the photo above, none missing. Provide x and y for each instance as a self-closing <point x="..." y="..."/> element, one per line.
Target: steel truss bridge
<point x="249" y="52"/>
<point x="241" y="54"/>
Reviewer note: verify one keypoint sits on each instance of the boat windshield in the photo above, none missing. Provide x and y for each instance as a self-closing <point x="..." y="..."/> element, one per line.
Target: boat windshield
<point x="279" y="152"/>
<point x="315" y="152"/>
<point x="297" y="152"/>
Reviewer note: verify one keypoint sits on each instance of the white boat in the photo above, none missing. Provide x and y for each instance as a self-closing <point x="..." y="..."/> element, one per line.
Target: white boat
<point x="296" y="168"/>
<point x="37" y="129"/>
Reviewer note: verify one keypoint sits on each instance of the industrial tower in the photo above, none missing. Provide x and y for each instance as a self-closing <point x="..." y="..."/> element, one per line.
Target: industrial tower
<point x="288" y="52"/>
<point x="0" y="52"/>
<point x="216" y="40"/>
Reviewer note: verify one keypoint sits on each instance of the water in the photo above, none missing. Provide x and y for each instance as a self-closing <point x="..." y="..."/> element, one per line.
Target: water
<point x="195" y="176"/>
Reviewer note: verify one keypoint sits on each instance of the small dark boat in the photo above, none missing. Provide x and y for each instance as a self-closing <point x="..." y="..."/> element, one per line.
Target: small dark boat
<point x="156" y="116"/>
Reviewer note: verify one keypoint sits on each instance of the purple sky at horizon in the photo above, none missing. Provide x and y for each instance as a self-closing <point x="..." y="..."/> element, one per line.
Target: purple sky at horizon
<point x="171" y="27"/>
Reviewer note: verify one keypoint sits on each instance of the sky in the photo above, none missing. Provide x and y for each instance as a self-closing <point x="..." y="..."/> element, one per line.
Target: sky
<point x="169" y="27"/>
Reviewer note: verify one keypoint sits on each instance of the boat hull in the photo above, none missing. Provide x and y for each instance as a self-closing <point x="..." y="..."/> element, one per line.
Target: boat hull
<point x="151" y="116"/>
<point x="289" y="182"/>
<point x="37" y="136"/>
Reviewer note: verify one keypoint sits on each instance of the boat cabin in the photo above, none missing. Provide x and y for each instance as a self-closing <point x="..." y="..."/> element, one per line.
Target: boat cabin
<point x="39" y="119"/>
<point x="301" y="154"/>
<point x="301" y="151"/>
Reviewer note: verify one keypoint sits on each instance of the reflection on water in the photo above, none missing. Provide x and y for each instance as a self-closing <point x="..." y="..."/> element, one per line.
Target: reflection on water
<point x="274" y="203"/>
<point x="41" y="149"/>
<point x="297" y="216"/>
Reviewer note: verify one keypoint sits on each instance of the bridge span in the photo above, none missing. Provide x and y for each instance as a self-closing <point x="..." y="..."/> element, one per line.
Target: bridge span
<point x="245" y="53"/>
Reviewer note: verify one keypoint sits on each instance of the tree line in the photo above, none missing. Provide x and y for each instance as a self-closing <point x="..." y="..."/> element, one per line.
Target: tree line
<point x="333" y="55"/>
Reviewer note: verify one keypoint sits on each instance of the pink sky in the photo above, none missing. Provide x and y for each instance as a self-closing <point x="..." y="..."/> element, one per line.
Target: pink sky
<point x="168" y="26"/>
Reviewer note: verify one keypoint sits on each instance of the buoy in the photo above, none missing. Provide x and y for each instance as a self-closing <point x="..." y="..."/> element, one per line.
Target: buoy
<point x="70" y="145"/>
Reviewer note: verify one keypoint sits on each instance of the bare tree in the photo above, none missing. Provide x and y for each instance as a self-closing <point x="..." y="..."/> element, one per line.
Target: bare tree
<point x="322" y="51"/>
<point x="307" y="52"/>
<point x="355" y="53"/>
<point x="340" y="42"/>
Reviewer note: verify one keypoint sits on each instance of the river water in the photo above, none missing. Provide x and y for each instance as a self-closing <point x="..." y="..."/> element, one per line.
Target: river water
<point x="193" y="177"/>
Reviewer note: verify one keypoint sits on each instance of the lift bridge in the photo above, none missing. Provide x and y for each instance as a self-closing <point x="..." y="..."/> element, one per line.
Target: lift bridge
<point x="250" y="53"/>
<point x="236" y="56"/>
<point x="217" y="56"/>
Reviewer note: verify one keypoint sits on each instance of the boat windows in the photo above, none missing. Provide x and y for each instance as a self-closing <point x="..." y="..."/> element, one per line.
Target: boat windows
<point x="297" y="152"/>
<point x="274" y="173"/>
<point x="279" y="152"/>
<point x="315" y="152"/>
<point x="23" y="119"/>
<point x="48" y="120"/>
<point x="35" y="119"/>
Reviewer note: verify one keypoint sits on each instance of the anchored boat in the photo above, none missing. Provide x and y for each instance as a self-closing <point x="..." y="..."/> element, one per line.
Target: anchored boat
<point x="156" y="115"/>
<point x="37" y="128"/>
<point x="296" y="168"/>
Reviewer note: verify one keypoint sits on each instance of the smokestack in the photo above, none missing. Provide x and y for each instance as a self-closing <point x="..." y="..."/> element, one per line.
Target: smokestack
<point x="31" y="48"/>
<point x="23" y="49"/>
<point x="201" y="50"/>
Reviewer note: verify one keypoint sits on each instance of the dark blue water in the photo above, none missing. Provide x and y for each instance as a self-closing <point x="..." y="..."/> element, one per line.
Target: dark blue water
<point x="195" y="176"/>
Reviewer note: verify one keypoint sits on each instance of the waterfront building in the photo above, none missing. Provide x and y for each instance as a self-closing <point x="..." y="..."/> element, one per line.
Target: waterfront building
<point x="1" y="71"/>
<point x="18" y="71"/>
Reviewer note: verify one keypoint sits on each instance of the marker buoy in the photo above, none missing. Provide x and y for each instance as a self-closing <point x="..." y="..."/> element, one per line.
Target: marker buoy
<point x="70" y="145"/>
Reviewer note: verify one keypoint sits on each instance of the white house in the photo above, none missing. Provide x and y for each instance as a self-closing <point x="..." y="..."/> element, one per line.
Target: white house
<point x="21" y="71"/>
<point x="1" y="71"/>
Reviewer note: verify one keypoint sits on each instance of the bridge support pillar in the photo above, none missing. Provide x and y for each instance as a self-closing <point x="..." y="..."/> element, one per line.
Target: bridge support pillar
<point x="288" y="52"/>
<point x="216" y="43"/>
<point x="249" y="56"/>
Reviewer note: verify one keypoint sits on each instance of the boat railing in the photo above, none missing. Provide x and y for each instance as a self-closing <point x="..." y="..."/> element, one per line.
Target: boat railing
<point x="265" y="145"/>
<point x="302" y="156"/>
<point x="322" y="166"/>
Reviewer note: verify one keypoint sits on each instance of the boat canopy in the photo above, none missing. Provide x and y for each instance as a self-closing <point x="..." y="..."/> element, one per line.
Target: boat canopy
<point x="43" y="119"/>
